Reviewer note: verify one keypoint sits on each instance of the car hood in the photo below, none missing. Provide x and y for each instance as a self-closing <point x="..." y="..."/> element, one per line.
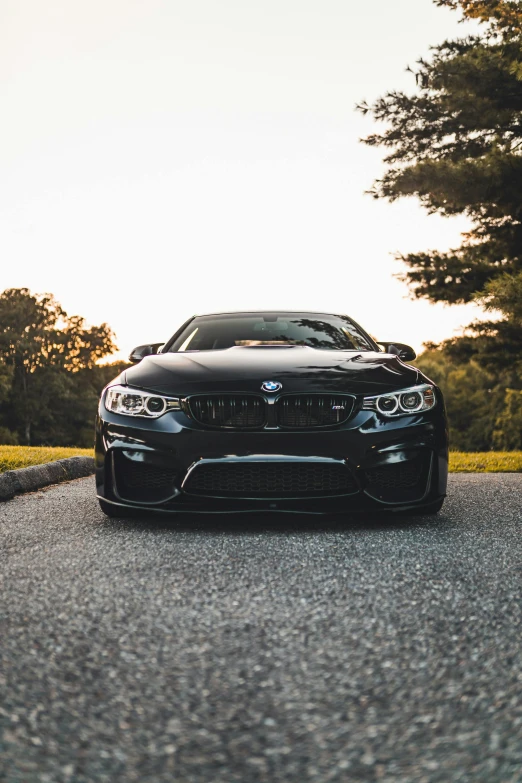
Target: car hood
<point x="297" y="368"/>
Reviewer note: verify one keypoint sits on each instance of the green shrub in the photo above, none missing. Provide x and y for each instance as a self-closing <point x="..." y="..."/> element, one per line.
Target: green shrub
<point x="507" y="434"/>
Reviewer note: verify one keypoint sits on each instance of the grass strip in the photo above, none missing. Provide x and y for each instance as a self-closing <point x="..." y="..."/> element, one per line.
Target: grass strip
<point x="486" y="462"/>
<point x="13" y="457"/>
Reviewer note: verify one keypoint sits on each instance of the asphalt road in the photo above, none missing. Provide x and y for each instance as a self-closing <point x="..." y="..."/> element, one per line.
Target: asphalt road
<point x="262" y="649"/>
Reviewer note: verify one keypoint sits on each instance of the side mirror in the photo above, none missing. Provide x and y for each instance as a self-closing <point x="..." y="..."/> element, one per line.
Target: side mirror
<point x="141" y="351"/>
<point x="404" y="352"/>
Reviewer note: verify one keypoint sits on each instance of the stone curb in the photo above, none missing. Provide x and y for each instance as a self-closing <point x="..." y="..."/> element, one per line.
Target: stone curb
<point x="14" y="482"/>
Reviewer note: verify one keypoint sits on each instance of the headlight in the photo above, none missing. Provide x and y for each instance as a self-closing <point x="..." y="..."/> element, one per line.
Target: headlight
<point x="121" y="399"/>
<point x="414" y="400"/>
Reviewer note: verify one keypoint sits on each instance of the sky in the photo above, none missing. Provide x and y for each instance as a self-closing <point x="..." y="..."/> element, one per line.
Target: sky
<point x="160" y="158"/>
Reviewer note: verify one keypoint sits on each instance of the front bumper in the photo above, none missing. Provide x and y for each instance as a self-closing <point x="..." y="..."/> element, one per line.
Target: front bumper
<point x="395" y="464"/>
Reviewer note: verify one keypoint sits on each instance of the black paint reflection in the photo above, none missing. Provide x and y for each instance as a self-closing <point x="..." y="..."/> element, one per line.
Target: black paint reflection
<point x="215" y="332"/>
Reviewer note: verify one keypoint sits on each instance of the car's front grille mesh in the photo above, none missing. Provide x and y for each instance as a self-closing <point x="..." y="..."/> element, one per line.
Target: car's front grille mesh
<point x="313" y="410"/>
<point x="228" y="410"/>
<point x="400" y="481"/>
<point x="270" y="479"/>
<point x="402" y="475"/>
<point x="142" y="475"/>
<point x="249" y="411"/>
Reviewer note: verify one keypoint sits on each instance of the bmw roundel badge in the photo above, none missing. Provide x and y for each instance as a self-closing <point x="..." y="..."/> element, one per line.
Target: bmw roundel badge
<point x="271" y="386"/>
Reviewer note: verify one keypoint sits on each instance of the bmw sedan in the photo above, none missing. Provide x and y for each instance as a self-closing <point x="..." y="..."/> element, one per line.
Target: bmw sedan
<point x="271" y="411"/>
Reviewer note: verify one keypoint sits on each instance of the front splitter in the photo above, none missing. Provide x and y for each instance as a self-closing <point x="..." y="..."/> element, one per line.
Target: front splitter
<point x="273" y="508"/>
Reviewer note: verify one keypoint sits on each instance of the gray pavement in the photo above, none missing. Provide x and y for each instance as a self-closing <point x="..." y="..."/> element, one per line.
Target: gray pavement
<point x="262" y="648"/>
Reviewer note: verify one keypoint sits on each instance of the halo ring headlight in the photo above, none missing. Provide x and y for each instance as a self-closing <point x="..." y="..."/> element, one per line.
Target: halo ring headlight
<point x="387" y="405"/>
<point x="416" y="399"/>
<point x="411" y="401"/>
<point x="155" y="405"/>
<point x="134" y="402"/>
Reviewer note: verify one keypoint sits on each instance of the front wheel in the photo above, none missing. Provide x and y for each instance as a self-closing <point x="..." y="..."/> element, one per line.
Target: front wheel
<point x="433" y="508"/>
<point x="426" y="511"/>
<point x="114" y="512"/>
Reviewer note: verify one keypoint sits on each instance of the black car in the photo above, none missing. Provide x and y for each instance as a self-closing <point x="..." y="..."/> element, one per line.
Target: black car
<point x="285" y="411"/>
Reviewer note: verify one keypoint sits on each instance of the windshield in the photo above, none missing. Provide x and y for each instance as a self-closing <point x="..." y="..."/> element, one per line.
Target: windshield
<point x="216" y="332"/>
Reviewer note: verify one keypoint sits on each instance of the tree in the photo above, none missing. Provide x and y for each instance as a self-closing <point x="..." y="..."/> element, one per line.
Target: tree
<point x="472" y="395"/>
<point x="504" y="16"/>
<point x="44" y="353"/>
<point x="507" y="435"/>
<point x="456" y="144"/>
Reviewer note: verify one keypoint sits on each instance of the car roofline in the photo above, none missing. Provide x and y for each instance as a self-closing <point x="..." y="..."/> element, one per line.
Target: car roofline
<point x="256" y="312"/>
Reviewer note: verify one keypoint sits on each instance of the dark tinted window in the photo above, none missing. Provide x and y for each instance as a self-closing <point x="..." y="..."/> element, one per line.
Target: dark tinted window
<point x="215" y="332"/>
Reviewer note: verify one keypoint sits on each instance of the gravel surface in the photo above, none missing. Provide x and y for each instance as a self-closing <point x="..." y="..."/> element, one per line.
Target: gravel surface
<point x="262" y="648"/>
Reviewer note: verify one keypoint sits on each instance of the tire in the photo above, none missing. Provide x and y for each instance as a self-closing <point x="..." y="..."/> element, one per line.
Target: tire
<point x="433" y="508"/>
<point x="114" y="512"/>
<point x="425" y="511"/>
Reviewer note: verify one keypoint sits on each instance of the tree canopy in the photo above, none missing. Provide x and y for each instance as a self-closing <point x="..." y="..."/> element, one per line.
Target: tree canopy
<point x="501" y="15"/>
<point x="49" y="378"/>
<point x="484" y="410"/>
<point x="455" y="143"/>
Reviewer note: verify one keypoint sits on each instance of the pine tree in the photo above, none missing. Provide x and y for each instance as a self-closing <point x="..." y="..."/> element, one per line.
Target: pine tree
<point x="456" y="144"/>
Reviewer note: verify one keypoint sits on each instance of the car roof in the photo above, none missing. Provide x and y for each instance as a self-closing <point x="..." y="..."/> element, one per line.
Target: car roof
<point x="268" y="310"/>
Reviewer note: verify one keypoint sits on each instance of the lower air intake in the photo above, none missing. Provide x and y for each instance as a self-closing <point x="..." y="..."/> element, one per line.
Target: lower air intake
<point x="142" y="482"/>
<point x="140" y="475"/>
<point x="270" y="479"/>
<point x="401" y="481"/>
